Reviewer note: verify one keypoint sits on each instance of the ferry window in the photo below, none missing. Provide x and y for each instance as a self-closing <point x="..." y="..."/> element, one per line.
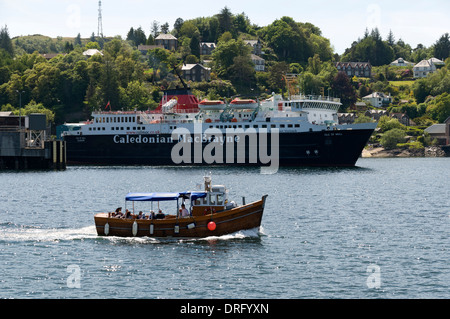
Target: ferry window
<point x="273" y="126"/>
<point x="128" y="128"/>
<point x="96" y="120"/>
<point x="297" y="125"/>
<point x="117" y="128"/>
<point x="210" y="126"/>
<point x="115" y="120"/>
<point x="90" y="129"/>
<point x="93" y="128"/>
<point x="126" y="119"/>
<point x="255" y="126"/>
<point x="289" y="125"/>
<point x="121" y="128"/>
<point x="247" y="126"/>
<point x="112" y="128"/>
<point x="281" y="125"/>
<point x="264" y="125"/>
<point x="103" y="128"/>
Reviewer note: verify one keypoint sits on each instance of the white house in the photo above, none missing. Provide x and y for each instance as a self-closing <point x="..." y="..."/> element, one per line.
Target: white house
<point x="258" y="62"/>
<point x="378" y="99"/>
<point x="425" y="67"/>
<point x="91" y="52"/>
<point x="401" y="62"/>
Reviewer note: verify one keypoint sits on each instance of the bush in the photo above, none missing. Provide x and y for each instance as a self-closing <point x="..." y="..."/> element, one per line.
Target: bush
<point x="391" y="138"/>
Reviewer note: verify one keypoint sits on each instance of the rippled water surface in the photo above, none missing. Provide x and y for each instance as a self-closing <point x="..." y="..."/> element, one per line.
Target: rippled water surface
<point x="380" y="230"/>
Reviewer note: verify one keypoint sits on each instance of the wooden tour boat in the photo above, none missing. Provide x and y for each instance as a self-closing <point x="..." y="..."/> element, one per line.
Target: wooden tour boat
<point x="210" y="214"/>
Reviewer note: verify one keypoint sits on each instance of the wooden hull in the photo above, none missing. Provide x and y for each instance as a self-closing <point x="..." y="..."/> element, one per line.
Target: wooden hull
<point x="240" y="218"/>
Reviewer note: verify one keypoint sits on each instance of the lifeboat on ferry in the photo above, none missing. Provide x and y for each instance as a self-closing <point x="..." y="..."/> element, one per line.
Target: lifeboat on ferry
<point x="244" y="104"/>
<point x="211" y="105"/>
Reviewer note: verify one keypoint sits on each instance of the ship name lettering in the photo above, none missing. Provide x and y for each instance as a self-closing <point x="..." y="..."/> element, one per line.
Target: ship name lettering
<point x="139" y="139"/>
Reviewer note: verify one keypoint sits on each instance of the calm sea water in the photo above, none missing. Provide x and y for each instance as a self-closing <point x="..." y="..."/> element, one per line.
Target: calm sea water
<point x="380" y="230"/>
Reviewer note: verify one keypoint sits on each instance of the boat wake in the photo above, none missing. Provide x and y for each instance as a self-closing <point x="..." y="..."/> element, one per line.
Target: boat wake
<point x="21" y="233"/>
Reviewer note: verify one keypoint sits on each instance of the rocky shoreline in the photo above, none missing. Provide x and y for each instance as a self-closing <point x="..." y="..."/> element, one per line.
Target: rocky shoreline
<point x="431" y="151"/>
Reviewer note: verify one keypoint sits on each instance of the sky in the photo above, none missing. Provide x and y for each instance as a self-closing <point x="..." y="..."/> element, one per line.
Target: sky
<point x="341" y="21"/>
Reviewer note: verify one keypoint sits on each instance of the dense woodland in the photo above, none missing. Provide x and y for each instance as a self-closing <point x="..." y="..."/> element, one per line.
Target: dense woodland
<point x="69" y="86"/>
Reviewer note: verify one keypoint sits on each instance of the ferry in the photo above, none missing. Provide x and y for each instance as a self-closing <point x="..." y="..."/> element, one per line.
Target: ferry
<point x="196" y="214"/>
<point x="301" y="131"/>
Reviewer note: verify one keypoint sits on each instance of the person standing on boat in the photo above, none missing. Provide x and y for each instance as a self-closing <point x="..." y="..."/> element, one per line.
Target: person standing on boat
<point x="183" y="211"/>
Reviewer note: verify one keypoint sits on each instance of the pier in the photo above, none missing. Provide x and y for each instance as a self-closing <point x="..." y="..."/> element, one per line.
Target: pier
<point x="24" y="144"/>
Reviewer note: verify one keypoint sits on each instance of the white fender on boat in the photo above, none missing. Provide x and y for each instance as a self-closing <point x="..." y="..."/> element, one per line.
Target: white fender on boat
<point x="135" y="228"/>
<point x="106" y="229"/>
<point x="191" y="225"/>
<point x="152" y="228"/>
<point x="177" y="229"/>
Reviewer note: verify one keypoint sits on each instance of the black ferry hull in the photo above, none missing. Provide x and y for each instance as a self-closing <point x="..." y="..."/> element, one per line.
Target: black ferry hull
<point x="331" y="148"/>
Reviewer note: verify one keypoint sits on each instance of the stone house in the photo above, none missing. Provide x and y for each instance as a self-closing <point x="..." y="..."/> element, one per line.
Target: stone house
<point x="346" y="118"/>
<point x="359" y="69"/>
<point x="255" y="45"/>
<point x="403" y="118"/>
<point x="376" y="114"/>
<point x="196" y="72"/>
<point x="206" y="48"/>
<point x="168" y="41"/>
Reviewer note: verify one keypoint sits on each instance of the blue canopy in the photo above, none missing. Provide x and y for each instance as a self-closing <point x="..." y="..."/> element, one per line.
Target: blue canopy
<point x="157" y="197"/>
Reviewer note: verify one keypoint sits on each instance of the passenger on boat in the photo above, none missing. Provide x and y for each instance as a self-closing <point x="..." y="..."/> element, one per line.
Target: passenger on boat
<point x="140" y="215"/>
<point x="128" y="214"/>
<point x="160" y="215"/>
<point x="151" y="215"/>
<point x="118" y="213"/>
<point x="183" y="211"/>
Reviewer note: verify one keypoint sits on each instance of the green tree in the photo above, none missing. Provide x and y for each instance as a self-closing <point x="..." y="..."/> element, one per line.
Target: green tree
<point x="439" y="108"/>
<point x="224" y="54"/>
<point x="5" y="41"/>
<point x="343" y="89"/>
<point x="93" y="45"/>
<point x="442" y="47"/>
<point x="387" y="123"/>
<point x="225" y="18"/>
<point x="242" y="73"/>
<point x="391" y="138"/>
<point x="288" y="40"/>
<point x="371" y="48"/>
